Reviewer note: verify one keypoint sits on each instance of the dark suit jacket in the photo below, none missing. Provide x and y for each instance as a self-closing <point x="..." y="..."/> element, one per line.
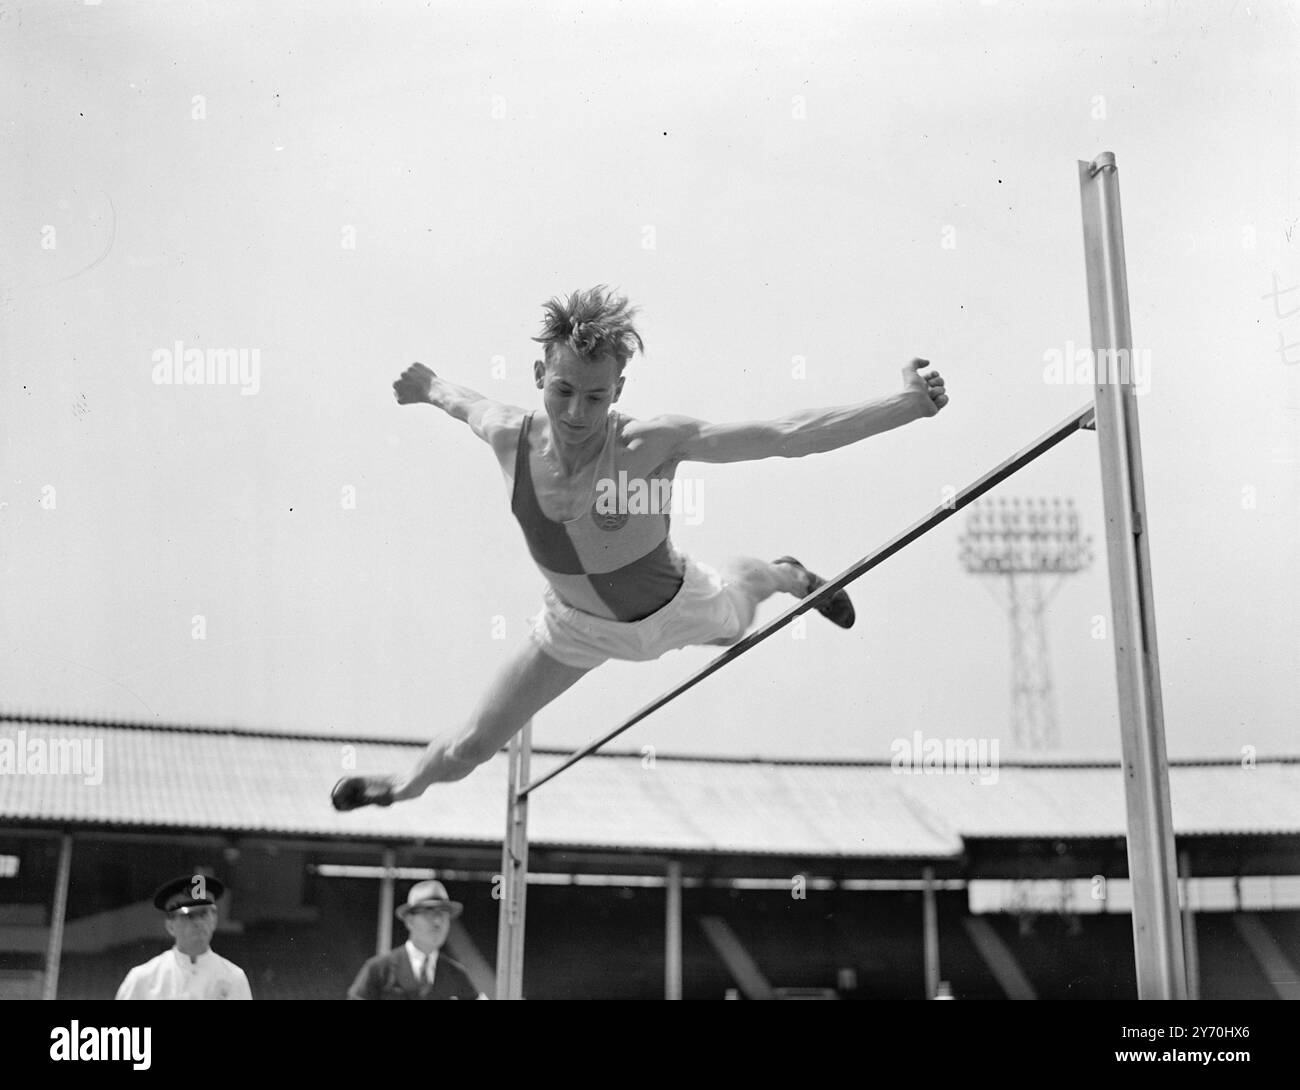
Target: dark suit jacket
<point x="389" y="976"/>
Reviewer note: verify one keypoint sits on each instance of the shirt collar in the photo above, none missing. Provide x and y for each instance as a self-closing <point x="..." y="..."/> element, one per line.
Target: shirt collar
<point x="416" y="956"/>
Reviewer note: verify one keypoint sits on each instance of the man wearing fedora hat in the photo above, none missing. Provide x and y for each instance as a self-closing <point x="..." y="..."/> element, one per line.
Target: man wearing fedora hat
<point x="417" y="969"/>
<point x="191" y="969"/>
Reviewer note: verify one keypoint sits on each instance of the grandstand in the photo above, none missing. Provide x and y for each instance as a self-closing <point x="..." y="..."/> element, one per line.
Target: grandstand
<point x="799" y="878"/>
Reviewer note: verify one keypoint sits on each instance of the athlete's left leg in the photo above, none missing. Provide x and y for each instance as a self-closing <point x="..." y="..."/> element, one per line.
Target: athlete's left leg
<point x="528" y="681"/>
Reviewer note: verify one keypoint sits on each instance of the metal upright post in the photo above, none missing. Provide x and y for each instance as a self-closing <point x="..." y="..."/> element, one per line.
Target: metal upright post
<point x="384" y="926"/>
<point x="58" y="913"/>
<point x="514" y="871"/>
<point x="673" y="932"/>
<point x="1189" y="929"/>
<point x="1157" y="933"/>
<point x="930" y="930"/>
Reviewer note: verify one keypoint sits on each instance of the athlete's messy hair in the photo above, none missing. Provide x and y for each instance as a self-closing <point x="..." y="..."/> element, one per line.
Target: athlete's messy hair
<point x="594" y="323"/>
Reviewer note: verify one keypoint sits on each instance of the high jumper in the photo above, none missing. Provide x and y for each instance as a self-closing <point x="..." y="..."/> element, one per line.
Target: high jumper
<point x="616" y="588"/>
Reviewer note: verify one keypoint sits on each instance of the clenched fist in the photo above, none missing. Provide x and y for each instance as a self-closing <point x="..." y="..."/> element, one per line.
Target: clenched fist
<point x="926" y="387"/>
<point x="415" y="386"/>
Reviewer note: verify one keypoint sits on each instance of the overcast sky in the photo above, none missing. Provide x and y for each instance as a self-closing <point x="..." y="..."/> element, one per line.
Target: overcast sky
<point x="800" y="197"/>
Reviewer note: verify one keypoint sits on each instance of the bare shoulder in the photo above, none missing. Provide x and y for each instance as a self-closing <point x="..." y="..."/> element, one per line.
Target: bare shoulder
<point x="498" y="424"/>
<point x="660" y="436"/>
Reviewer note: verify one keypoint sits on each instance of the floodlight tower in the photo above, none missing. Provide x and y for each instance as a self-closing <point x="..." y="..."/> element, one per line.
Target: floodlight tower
<point x="1030" y="545"/>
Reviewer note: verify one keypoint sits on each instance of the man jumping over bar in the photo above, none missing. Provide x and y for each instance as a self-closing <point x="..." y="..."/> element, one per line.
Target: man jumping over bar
<point x="616" y="587"/>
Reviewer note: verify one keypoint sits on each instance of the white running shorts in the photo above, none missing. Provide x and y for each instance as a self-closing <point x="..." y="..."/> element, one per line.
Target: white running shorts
<point x="704" y="610"/>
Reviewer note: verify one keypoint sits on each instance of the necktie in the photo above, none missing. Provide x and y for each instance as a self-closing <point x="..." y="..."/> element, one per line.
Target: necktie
<point x="430" y="965"/>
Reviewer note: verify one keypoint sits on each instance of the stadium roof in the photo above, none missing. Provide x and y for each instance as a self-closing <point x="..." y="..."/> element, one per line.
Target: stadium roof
<point x="241" y="782"/>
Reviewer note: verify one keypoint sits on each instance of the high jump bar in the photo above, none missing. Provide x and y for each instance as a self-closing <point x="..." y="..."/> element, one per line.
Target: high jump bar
<point x="1080" y="419"/>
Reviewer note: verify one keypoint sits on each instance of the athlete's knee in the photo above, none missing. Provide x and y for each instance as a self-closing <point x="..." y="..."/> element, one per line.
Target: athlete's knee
<point x="760" y="579"/>
<point x="753" y="575"/>
<point x="744" y="605"/>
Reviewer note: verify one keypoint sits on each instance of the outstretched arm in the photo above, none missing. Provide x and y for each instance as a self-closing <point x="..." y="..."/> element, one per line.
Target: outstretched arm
<point x="809" y="431"/>
<point x="490" y="420"/>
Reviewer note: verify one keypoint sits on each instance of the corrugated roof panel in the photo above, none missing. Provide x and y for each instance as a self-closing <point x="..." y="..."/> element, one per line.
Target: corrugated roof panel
<point x="198" y="780"/>
<point x="1025" y="802"/>
<point x="232" y="781"/>
<point x="1064" y="802"/>
<point x="1230" y="798"/>
<point x="752" y="808"/>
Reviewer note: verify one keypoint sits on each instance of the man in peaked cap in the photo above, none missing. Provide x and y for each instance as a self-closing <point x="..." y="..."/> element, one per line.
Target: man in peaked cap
<point x="190" y="969"/>
<point x="417" y="969"/>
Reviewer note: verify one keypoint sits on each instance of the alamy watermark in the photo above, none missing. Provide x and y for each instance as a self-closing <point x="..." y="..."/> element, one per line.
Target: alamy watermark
<point x="618" y="499"/>
<point x="1080" y="366"/>
<point x="181" y="366"/>
<point x="116" y="1044"/>
<point x="921" y="756"/>
<point x="23" y="756"/>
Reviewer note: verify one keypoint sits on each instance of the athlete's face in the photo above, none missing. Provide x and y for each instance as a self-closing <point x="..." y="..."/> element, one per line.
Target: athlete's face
<point x="577" y="393"/>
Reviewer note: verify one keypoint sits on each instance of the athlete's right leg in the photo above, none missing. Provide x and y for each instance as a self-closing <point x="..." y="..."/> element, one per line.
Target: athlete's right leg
<point x="524" y="685"/>
<point x="754" y="581"/>
<point x="751" y="582"/>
